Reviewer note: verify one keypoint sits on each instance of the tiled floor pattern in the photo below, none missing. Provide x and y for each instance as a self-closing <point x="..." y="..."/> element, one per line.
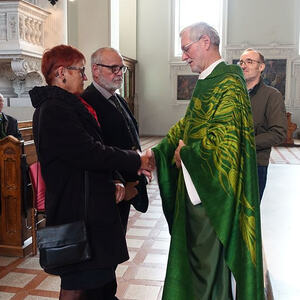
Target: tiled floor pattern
<point x="139" y="278"/>
<point x="149" y="141"/>
<point x="285" y="155"/>
<point x="148" y="242"/>
<point x="280" y="223"/>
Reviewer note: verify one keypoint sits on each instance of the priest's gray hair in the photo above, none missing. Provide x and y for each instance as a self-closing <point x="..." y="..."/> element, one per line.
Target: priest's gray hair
<point x="198" y="29"/>
<point x="1" y="97"/>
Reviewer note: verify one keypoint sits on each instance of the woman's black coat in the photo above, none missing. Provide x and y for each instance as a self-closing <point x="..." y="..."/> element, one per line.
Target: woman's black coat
<point x="68" y="141"/>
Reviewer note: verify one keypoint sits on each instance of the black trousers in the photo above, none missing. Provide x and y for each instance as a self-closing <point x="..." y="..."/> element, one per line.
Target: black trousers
<point x="106" y="292"/>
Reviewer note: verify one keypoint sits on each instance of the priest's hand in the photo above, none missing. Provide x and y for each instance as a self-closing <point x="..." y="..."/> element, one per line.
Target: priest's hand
<point x="147" y="163"/>
<point x="177" y="154"/>
<point x="151" y="158"/>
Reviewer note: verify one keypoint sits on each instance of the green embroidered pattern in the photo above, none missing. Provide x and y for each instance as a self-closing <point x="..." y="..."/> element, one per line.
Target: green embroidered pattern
<point x="220" y="157"/>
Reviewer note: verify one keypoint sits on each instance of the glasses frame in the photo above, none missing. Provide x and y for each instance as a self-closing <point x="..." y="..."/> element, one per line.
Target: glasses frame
<point x="185" y="49"/>
<point x="80" y="69"/>
<point x="115" y="69"/>
<point x="248" y="61"/>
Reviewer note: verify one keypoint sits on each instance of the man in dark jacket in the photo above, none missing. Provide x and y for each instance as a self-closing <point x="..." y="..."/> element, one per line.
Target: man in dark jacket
<point x="269" y="114"/>
<point x="8" y="124"/>
<point x="118" y="124"/>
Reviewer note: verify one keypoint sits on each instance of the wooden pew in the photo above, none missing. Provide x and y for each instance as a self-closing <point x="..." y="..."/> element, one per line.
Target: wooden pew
<point x="15" y="235"/>
<point x="15" y="227"/>
<point x="25" y="128"/>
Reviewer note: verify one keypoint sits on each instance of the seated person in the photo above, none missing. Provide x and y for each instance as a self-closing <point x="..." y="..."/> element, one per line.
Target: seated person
<point x="8" y="124"/>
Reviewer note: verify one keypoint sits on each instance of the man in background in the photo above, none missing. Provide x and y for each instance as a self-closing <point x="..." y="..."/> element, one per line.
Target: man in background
<point x="8" y="124"/>
<point x="268" y="109"/>
<point x="207" y="176"/>
<point x="118" y="124"/>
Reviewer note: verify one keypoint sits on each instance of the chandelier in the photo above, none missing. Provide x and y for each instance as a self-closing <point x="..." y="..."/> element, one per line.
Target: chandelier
<point x="53" y="2"/>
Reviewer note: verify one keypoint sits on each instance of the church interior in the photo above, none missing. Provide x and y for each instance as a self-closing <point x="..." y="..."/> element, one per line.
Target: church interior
<point x="146" y="34"/>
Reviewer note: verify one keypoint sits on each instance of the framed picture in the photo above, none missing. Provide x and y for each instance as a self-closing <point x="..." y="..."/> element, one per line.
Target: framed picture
<point x="274" y="73"/>
<point x="185" y="86"/>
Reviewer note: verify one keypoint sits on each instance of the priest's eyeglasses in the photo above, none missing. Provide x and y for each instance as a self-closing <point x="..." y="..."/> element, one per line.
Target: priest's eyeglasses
<point x="248" y="62"/>
<point x="114" y="68"/>
<point x="81" y="70"/>
<point x="185" y="49"/>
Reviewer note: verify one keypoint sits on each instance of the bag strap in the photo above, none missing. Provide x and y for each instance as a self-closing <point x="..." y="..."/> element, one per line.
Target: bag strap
<point x="86" y="194"/>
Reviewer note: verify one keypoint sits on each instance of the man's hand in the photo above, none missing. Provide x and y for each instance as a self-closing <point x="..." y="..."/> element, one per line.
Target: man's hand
<point x="147" y="163"/>
<point x="120" y="192"/>
<point x="177" y="154"/>
<point x="131" y="190"/>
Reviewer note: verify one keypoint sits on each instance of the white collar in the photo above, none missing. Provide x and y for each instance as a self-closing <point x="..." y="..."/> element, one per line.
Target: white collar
<point x="209" y="69"/>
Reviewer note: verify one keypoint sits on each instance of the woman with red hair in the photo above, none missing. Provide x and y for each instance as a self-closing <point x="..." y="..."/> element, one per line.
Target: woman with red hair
<point x="69" y="143"/>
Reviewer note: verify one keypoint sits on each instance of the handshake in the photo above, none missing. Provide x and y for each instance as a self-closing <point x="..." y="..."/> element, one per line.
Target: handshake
<point x="147" y="163"/>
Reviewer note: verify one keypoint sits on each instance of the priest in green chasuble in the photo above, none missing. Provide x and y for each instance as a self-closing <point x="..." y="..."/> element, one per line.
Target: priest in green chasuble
<point x="206" y="168"/>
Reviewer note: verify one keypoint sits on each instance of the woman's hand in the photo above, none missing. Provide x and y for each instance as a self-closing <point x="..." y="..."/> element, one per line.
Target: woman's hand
<point x="120" y="191"/>
<point x="131" y="190"/>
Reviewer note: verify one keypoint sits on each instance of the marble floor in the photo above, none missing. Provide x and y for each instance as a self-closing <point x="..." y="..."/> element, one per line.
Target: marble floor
<point x="280" y="210"/>
<point x="142" y="277"/>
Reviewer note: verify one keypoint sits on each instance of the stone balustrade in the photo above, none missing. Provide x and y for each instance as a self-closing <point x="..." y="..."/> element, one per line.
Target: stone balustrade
<point x="22" y="27"/>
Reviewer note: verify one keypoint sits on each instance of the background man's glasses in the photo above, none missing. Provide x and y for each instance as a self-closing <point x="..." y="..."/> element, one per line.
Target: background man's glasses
<point x="81" y="70"/>
<point x="248" y="62"/>
<point x="115" y="68"/>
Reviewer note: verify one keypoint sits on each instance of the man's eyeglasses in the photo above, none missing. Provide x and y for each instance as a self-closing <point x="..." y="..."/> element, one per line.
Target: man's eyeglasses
<point x="81" y="70"/>
<point x="115" y="68"/>
<point x="248" y="61"/>
<point x="185" y="49"/>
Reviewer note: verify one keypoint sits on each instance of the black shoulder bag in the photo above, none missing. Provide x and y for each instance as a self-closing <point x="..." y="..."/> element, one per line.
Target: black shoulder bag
<point x="65" y="244"/>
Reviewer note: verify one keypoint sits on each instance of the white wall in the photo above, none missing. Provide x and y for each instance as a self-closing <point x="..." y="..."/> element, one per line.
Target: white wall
<point x="157" y="113"/>
<point x="272" y="26"/>
<point x="56" y="23"/>
<point x="127" y="32"/>
<point x="89" y="27"/>
<point x="262" y="22"/>
<point x="114" y="24"/>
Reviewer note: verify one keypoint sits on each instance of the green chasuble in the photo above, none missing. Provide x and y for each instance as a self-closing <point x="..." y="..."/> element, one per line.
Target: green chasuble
<point x="220" y="157"/>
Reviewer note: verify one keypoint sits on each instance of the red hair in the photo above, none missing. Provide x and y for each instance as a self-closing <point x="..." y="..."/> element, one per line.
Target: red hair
<point x="57" y="56"/>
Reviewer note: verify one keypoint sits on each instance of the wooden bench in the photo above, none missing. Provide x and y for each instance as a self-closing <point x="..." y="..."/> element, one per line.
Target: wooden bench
<point x="15" y="221"/>
<point x="25" y="128"/>
<point x="15" y="234"/>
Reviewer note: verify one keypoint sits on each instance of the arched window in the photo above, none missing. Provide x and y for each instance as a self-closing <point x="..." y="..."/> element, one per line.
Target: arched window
<point x="187" y="12"/>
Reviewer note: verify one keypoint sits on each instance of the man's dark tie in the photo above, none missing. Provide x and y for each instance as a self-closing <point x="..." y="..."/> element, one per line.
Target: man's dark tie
<point x="129" y="123"/>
